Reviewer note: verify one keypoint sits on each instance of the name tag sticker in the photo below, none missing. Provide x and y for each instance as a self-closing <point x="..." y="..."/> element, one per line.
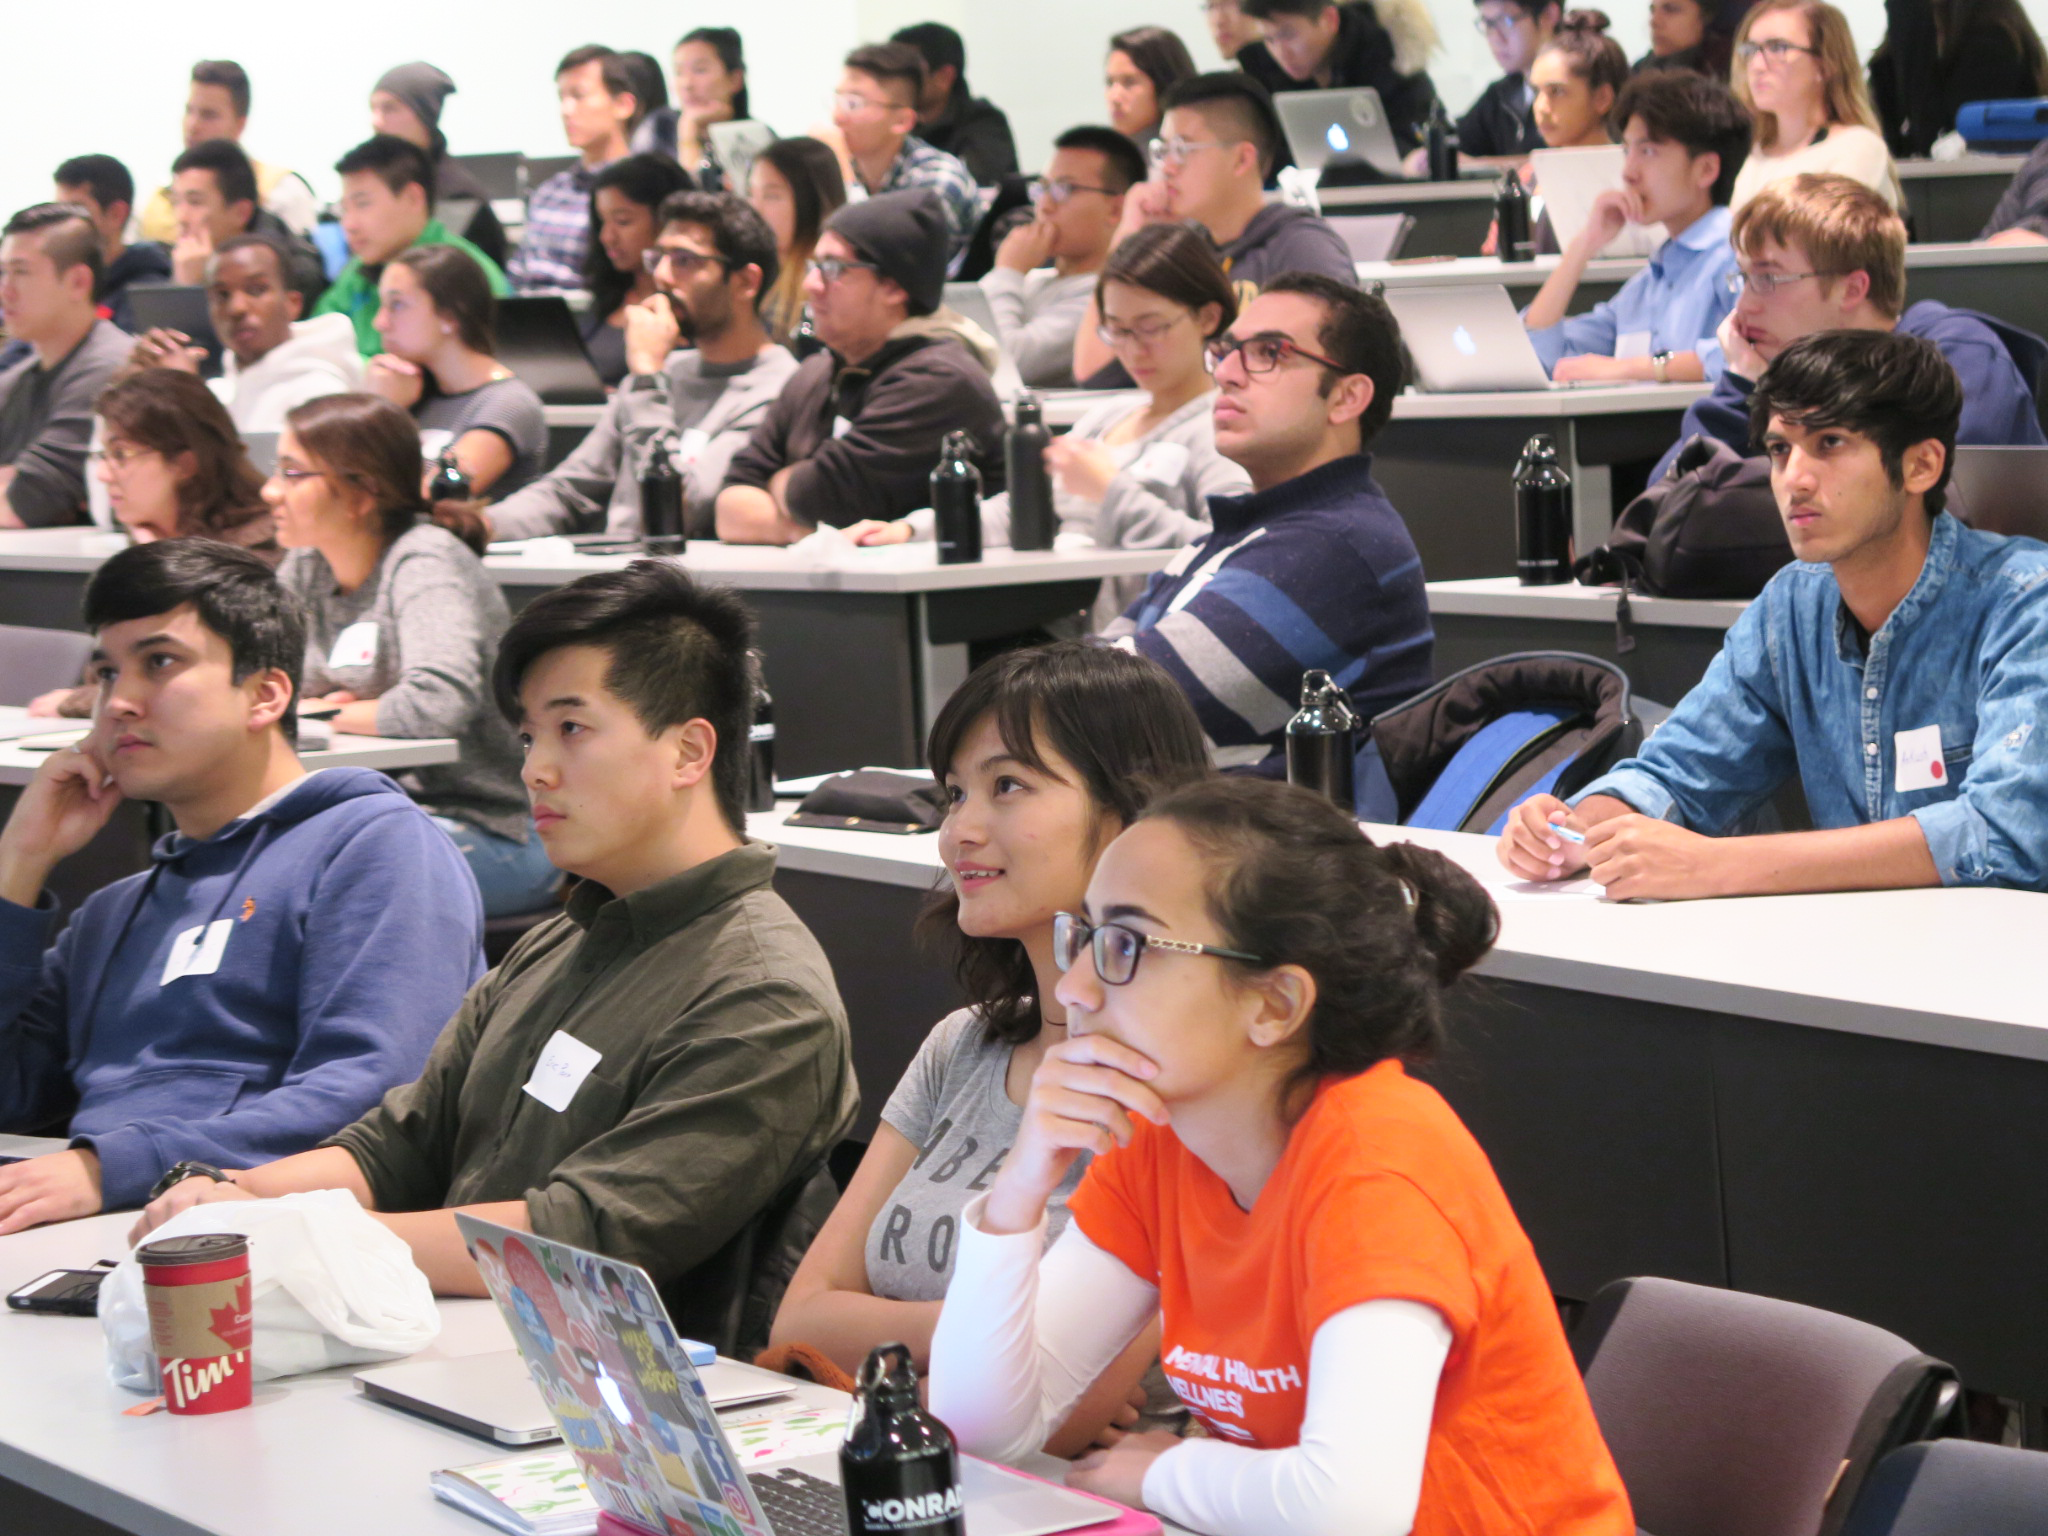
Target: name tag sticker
<point x="1161" y="464"/>
<point x="355" y="646"/>
<point x="564" y="1062"/>
<point x="1632" y="344"/>
<point x="841" y="425"/>
<point x="198" y="950"/>
<point x="689" y="445"/>
<point x="1916" y="757"/>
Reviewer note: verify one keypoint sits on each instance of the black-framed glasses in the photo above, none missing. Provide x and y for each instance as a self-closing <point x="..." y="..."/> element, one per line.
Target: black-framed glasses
<point x="685" y="262"/>
<point x="1142" y="334"/>
<point x="1057" y="189"/>
<point x="833" y="268"/>
<point x="1764" y="284"/>
<point x="1116" y="949"/>
<point x="1261" y="354"/>
<point x="1776" y="49"/>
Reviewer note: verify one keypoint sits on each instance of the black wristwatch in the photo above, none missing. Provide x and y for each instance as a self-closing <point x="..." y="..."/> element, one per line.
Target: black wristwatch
<point x="178" y="1173"/>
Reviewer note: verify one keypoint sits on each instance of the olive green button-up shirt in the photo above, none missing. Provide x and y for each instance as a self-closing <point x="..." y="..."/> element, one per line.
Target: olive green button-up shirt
<point x="723" y="1073"/>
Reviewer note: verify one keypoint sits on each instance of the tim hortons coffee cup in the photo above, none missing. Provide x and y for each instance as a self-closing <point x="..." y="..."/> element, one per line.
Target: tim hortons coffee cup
<point x="197" y="1291"/>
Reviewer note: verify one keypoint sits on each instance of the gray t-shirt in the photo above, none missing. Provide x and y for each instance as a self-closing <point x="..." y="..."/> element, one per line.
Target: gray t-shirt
<point x="952" y="1106"/>
<point x="508" y="407"/>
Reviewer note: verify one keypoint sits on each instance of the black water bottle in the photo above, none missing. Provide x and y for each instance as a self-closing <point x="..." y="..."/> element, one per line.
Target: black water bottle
<point x="1543" y="516"/>
<point x="761" y="739"/>
<point x="956" y="501"/>
<point x="1512" y="239"/>
<point x="1440" y="144"/>
<point x="449" y="482"/>
<point x="661" y="498"/>
<point x="1032" y="518"/>
<point x="1321" y="742"/>
<point x="897" y="1463"/>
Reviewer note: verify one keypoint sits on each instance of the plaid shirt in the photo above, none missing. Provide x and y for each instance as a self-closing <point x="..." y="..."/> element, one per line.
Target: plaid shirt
<point x="557" y="233"/>
<point x="917" y="164"/>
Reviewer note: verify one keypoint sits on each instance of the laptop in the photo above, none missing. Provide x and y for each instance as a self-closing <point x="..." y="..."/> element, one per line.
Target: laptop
<point x="1570" y="180"/>
<point x="539" y="341"/>
<point x="1341" y="127"/>
<point x="1372" y="236"/>
<point x="177" y="307"/>
<point x="633" y="1410"/>
<point x="736" y="144"/>
<point x="1467" y="340"/>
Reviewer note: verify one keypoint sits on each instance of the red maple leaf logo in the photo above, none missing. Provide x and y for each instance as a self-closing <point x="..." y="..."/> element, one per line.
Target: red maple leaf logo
<point x="230" y="1324"/>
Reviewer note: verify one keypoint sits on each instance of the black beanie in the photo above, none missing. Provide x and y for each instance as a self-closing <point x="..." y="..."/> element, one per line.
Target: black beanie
<point x="905" y="234"/>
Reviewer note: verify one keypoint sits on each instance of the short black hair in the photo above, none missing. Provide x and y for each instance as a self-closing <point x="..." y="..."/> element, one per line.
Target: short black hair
<point x="939" y="44"/>
<point x="1895" y="390"/>
<point x="69" y="238"/>
<point x="1125" y="165"/>
<point x="738" y="233"/>
<point x="679" y="650"/>
<point x="645" y="179"/>
<point x="1359" y="333"/>
<point x="229" y="76"/>
<point x="1237" y="106"/>
<point x="1699" y="115"/>
<point x="258" y="241"/>
<point x="1265" y="10"/>
<point x="235" y="593"/>
<point x="106" y="178"/>
<point x="398" y="163"/>
<point x="232" y="172"/>
<point x="617" y="74"/>
<point x="892" y="63"/>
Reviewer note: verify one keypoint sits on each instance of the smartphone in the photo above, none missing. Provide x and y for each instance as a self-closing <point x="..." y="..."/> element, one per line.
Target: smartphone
<point x="73" y="1292"/>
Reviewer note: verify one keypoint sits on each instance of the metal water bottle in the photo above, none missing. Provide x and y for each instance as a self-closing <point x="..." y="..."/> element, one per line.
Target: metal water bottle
<point x="1321" y="741"/>
<point x="956" y="502"/>
<point x="897" y="1465"/>
<point x="1513" y="238"/>
<point x="761" y="739"/>
<point x="449" y="482"/>
<point x="1032" y="519"/>
<point x="661" y="498"/>
<point x="1440" y="144"/>
<point x="1543" y="516"/>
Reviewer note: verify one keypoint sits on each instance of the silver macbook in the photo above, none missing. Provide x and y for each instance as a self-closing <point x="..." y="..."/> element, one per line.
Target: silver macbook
<point x="634" y="1411"/>
<point x="1341" y="127"/>
<point x="1467" y="340"/>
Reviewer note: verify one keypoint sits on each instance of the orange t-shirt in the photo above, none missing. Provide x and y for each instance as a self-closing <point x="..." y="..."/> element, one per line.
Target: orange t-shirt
<point x="1381" y="1193"/>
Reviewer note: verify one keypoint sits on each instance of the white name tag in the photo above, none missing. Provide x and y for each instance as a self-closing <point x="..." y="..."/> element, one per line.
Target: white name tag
<point x="355" y="646"/>
<point x="841" y="425"/>
<point x="689" y="445"/>
<point x="1632" y="344"/>
<point x="198" y="950"/>
<point x="564" y="1062"/>
<point x="1916" y="758"/>
<point x="1161" y="464"/>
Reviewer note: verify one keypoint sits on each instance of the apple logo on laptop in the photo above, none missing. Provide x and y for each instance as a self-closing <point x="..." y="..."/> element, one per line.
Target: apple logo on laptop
<point x="614" y="1399"/>
<point x="1462" y="340"/>
<point x="1339" y="140"/>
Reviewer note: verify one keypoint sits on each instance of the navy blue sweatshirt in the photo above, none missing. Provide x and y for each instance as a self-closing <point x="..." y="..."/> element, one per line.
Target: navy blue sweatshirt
<point x="345" y="929"/>
<point x="1993" y="360"/>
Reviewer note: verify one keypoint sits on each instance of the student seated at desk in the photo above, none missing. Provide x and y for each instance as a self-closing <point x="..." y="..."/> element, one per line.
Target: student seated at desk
<point x="1319" y="45"/>
<point x="1797" y="73"/>
<point x="700" y="364"/>
<point x="1824" y="253"/>
<point x="402" y="624"/>
<point x="1344" y="1296"/>
<point x="213" y="189"/>
<point x="1045" y="755"/>
<point x="874" y="117"/>
<point x="795" y="184"/>
<point x="856" y="431"/>
<point x="1313" y="568"/>
<point x="217" y="112"/>
<point x="595" y="91"/>
<point x="406" y="103"/>
<point x="625" y="217"/>
<point x="707" y="1055"/>
<point x="291" y="951"/>
<point x="1896" y="668"/>
<point x="1501" y="125"/>
<point x="2021" y="217"/>
<point x="102" y="186"/>
<point x="1683" y="137"/>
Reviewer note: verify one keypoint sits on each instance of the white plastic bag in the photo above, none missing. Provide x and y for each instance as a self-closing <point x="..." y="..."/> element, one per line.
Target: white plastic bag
<point x="329" y="1285"/>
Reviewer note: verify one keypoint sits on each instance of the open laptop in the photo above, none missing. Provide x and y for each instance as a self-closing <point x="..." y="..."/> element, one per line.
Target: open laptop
<point x="736" y="144"/>
<point x="1341" y="127"/>
<point x="1570" y="180"/>
<point x="538" y="340"/>
<point x="177" y="307"/>
<point x="632" y="1408"/>
<point x="1466" y="340"/>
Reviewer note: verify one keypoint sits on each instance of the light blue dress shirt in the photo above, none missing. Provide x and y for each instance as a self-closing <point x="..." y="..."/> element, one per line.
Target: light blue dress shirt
<point x="1796" y="690"/>
<point x="1678" y="299"/>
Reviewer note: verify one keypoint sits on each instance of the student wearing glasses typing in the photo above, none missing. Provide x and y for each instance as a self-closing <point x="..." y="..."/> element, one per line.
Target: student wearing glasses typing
<point x="1312" y="568"/>
<point x="1343" y="1295"/>
<point x="1797" y="71"/>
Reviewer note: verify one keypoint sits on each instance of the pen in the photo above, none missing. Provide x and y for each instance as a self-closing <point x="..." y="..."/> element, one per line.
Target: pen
<point x="1567" y="833"/>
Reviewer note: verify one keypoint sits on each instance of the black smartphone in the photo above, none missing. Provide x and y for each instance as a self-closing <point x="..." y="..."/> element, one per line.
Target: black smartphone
<point x="73" y="1292"/>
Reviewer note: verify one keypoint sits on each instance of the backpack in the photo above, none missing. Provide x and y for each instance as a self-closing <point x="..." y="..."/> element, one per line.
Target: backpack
<point x="1709" y="528"/>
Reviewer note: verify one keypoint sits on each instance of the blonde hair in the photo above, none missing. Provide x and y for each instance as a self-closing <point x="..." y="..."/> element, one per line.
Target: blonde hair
<point x="1845" y="99"/>
<point x="1841" y="226"/>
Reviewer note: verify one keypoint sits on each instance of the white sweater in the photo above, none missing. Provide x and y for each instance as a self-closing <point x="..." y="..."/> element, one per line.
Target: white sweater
<point x="318" y="358"/>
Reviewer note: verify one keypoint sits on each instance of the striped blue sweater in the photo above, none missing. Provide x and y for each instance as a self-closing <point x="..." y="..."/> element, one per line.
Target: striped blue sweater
<point x="1318" y="571"/>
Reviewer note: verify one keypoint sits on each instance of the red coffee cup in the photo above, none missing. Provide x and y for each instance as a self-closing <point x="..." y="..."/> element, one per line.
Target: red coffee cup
<point x="197" y="1291"/>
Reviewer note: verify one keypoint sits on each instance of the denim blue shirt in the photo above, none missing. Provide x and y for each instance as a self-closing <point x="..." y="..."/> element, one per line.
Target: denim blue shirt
<point x="1795" y="690"/>
<point x="1678" y="299"/>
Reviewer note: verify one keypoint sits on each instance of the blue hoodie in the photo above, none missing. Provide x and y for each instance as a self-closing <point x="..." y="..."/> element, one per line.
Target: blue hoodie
<point x="351" y="929"/>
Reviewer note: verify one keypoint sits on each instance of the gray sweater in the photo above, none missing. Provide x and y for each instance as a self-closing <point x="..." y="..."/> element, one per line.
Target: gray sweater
<point x="1037" y="315"/>
<point x="714" y="406"/>
<point x="46" y="422"/>
<point x="434" y="618"/>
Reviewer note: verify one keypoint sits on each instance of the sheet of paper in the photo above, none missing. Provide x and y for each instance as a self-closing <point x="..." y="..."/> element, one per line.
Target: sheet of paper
<point x="761" y="1438"/>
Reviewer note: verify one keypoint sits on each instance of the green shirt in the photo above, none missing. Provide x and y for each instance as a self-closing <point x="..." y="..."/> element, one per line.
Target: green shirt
<point x="724" y="1076"/>
<point x="354" y="292"/>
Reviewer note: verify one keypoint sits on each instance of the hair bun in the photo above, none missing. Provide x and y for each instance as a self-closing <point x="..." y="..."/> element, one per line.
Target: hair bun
<point x="1585" y="21"/>
<point x="1454" y="917"/>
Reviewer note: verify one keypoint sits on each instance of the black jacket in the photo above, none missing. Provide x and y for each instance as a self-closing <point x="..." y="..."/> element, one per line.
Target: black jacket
<point x="1362" y="55"/>
<point x="1501" y="122"/>
<point x="975" y="132"/>
<point x="143" y="262"/>
<point x="1917" y="88"/>
<point x="454" y="182"/>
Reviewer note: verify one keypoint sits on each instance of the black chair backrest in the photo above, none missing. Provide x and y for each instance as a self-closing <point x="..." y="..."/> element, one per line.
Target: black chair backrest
<point x="1954" y="1488"/>
<point x="535" y="169"/>
<point x="497" y="174"/>
<point x="34" y="661"/>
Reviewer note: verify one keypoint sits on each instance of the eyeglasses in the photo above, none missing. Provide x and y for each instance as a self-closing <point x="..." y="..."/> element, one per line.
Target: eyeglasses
<point x="854" y="102"/>
<point x="1764" y="284"/>
<point x="120" y="457"/>
<point x="1260" y="354"/>
<point x="685" y="262"/>
<point x="1174" y="151"/>
<point x="1486" y="26"/>
<point x="833" y="268"/>
<point x="1057" y="189"/>
<point x="1776" y="49"/>
<point x="1116" y="949"/>
<point x="1143" y="334"/>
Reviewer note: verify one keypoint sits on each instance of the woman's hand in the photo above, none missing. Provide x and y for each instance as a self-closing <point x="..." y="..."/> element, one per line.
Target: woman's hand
<point x="398" y="381"/>
<point x="1119" y="1472"/>
<point x="1083" y="469"/>
<point x="875" y="530"/>
<point x="1083" y="1097"/>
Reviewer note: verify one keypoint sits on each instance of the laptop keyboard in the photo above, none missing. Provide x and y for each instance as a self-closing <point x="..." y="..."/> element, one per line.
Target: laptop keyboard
<point x="798" y="1504"/>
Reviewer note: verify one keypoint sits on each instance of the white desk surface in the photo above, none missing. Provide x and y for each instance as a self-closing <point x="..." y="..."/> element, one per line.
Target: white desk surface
<point x="1480" y="188"/>
<point x="1962" y="165"/>
<point x="1547" y="404"/>
<point x="1505" y="597"/>
<point x="1937" y="967"/>
<point x="1457" y="271"/>
<point x="572" y="415"/>
<point x="896" y="568"/>
<point x="384" y="753"/>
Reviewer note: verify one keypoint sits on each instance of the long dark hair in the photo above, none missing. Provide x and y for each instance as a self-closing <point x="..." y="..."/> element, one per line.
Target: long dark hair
<point x="371" y="443"/>
<point x="170" y="412"/>
<point x="817" y="187"/>
<point x="647" y="180"/>
<point x="1122" y="724"/>
<point x="725" y="42"/>
<point x="1160" y="56"/>
<point x="1174" y="262"/>
<point x="458" y="290"/>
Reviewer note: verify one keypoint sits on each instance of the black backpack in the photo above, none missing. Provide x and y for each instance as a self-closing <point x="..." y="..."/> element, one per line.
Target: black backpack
<point x="1709" y="528"/>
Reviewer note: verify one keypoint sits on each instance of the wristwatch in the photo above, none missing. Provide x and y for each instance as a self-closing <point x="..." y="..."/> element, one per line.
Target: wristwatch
<point x="178" y="1173"/>
<point x="1660" y="364"/>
